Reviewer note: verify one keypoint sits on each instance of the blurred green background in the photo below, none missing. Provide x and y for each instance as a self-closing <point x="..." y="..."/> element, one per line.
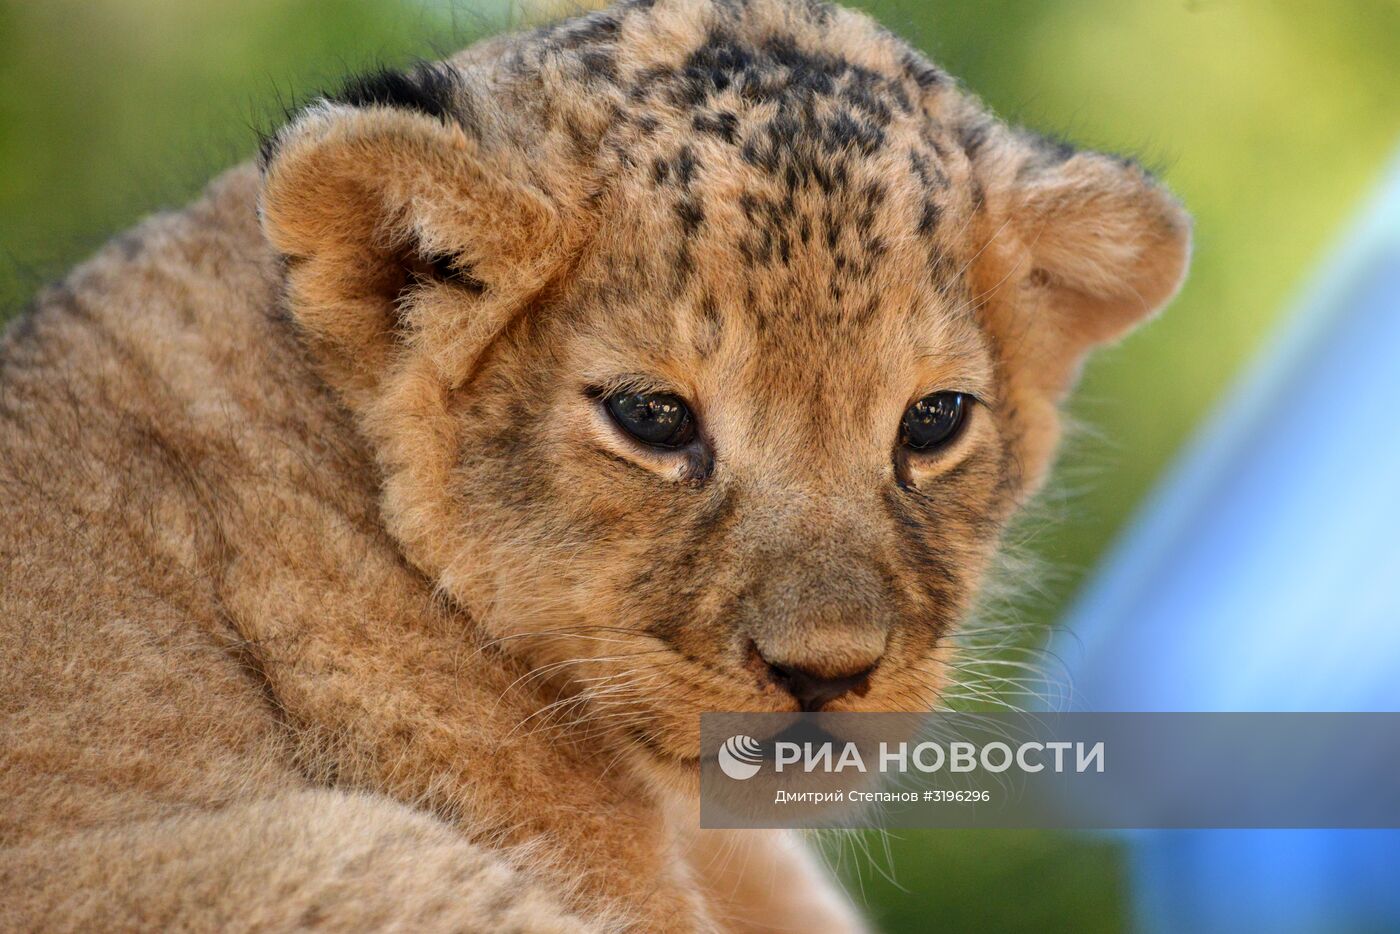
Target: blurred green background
<point x="1270" y="118"/>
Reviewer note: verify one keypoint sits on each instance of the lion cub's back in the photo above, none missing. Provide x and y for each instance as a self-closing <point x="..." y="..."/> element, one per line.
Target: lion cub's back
<point x="120" y="698"/>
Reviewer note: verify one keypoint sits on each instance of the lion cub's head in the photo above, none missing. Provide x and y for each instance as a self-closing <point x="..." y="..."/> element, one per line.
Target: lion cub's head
<point x="705" y="346"/>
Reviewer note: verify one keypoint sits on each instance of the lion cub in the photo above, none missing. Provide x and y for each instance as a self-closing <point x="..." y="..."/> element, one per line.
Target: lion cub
<point x="378" y="526"/>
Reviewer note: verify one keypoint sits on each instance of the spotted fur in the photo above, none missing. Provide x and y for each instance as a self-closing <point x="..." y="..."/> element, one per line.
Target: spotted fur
<point x="317" y="521"/>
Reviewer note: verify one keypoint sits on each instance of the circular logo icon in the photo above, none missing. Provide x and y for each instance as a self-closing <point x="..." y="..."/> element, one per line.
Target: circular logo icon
<point x="740" y="757"/>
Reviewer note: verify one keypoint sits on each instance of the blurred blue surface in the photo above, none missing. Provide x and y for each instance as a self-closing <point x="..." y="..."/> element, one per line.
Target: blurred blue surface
<point x="1265" y="575"/>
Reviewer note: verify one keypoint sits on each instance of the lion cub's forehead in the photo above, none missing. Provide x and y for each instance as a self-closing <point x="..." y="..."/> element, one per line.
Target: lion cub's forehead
<point x="776" y="177"/>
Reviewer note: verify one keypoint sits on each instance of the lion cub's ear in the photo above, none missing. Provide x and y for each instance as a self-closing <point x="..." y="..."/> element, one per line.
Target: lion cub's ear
<point x="1092" y="246"/>
<point x="1075" y="249"/>
<point x="408" y="220"/>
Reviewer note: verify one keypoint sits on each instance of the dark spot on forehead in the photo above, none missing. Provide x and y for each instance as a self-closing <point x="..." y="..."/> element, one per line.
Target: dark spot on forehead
<point x="711" y="326"/>
<point x="973" y="135"/>
<point x="685" y="166"/>
<point x="723" y="124"/>
<point x="928" y="218"/>
<point x="846" y="132"/>
<point x="594" y="28"/>
<point x="599" y="65"/>
<point x="691" y="215"/>
<point x="823" y="127"/>
<point x="924" y="73"/>
<point x="930" y="174"/>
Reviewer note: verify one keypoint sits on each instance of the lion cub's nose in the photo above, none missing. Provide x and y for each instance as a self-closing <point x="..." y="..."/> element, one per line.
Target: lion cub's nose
<point x="814" y="691"/>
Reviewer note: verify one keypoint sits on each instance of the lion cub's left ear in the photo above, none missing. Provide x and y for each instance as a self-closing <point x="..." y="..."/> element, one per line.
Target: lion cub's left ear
<point x="1075" y="250"/>
<point x="1085" y="248"/>
<point x="409" y="221"/>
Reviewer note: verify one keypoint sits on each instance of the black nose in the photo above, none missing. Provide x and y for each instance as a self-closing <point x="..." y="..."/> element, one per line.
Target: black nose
<point x="814" y="691"/>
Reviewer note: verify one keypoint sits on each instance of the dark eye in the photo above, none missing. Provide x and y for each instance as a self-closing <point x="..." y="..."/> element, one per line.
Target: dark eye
<point x="656" y="418"/>
<point x="933" y="421"/>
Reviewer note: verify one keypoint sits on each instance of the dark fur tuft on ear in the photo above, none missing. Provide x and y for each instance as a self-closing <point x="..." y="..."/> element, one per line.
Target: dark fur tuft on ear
<point x="428" y="88"/>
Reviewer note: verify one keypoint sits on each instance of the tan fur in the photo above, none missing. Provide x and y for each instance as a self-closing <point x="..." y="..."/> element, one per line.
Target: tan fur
<point x="331" y="598"/>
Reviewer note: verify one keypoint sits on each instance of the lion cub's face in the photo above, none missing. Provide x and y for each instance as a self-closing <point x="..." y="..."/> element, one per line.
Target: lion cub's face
<point x="739" y="480"/>
<point x="708" y="382"/>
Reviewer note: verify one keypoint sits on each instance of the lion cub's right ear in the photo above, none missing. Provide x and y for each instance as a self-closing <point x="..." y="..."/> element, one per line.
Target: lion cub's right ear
<point x="409" y="222"/>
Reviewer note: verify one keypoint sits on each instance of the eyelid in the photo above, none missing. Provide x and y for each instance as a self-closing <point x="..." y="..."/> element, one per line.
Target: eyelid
<point x="972" y="396"/>
<point x="631" y="383"/>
